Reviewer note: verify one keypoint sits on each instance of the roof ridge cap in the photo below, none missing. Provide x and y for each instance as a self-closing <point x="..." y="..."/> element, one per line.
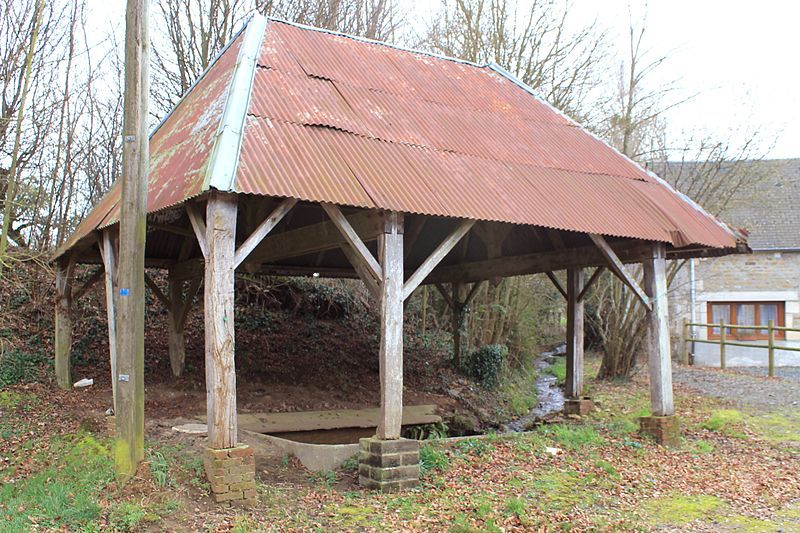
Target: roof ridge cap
<point x="224" y="160"/>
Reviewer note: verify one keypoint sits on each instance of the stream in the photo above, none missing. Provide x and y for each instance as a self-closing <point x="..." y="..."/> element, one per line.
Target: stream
<point x="550" y="395"/>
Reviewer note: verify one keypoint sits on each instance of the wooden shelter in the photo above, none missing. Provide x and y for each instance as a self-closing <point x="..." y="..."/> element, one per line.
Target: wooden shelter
<point x="304" y="152"/>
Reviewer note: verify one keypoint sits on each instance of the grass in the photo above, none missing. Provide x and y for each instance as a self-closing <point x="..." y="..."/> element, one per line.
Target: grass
<point x="432" y="458"/>
<point x="66" y="492"/>
<point x="680" y="509"/>
<point x="572" y="437"/>
<point x="559" y="370"/>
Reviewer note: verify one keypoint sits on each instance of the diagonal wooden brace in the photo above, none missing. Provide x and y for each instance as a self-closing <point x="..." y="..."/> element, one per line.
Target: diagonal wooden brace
<point x="618" y="268"/>
<point x="263" y="230"/>
<point x="362" y="259"/>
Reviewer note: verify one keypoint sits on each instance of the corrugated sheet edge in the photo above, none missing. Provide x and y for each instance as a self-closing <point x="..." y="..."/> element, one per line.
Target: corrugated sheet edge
<point x="224" y="160"/>
<point x="530" y="90"/>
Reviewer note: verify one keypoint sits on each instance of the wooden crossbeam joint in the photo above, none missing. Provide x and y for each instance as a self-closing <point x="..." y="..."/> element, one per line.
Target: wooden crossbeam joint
<point x="199" y="227"/>
<point x="596" y="274"/>
<point x="263" y="230"/>
<point x="436" y="257"/>
<point x="365" y="262"/>
<point x="618" y="268"/>
<point x="557" y="283"/>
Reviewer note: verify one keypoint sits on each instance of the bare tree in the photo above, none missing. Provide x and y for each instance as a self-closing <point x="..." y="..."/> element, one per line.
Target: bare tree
<point x="531" y="40"/>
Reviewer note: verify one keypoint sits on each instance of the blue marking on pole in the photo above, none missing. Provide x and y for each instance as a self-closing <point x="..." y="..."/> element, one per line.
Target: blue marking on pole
<point x="124" y="292"/>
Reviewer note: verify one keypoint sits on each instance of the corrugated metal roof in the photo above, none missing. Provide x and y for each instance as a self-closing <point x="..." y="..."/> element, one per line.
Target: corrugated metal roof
<point x="337" y="119"/>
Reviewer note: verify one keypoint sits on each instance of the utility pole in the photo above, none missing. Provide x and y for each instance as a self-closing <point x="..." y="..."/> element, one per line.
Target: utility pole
<point x="129" y="408"/>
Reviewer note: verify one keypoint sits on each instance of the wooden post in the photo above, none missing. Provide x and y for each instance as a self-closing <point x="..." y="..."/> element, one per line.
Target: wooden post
<point x="220" y="340"/>
<point x="176" y="320"/>
<point x="686" y="342"/>
<point x="658" y="348"/>
<point x="771" y="347"/>
<point x="109" y="253"/>
<point x="722" y="336"/>
<point x="391" y="351"/>
<point x="63" y="338"/>
<point x="574" y="383"/>
<point x="459" y="323"/>
<point x="129" y="408"/>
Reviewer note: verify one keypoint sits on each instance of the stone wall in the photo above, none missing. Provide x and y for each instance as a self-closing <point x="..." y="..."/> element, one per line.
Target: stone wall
<point x="761" y="276"/>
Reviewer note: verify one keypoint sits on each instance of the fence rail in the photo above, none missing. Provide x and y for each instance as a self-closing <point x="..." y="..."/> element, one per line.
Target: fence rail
<point x="771" y="328"/>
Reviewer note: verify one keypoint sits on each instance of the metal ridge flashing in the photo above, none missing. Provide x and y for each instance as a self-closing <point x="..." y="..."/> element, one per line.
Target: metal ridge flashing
<point x="224" y="160"/>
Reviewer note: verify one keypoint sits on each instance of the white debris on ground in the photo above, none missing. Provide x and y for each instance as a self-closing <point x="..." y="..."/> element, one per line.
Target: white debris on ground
<point x="85" y="382"/>
<point x="192" y="429"/>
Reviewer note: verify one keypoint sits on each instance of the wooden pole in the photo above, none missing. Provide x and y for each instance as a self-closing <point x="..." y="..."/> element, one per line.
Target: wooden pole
<point x="63" y="342"/>
<point x="176" y="339"/>
<point x="685" y="340"/>
<point x="129" y="410"/>
<point x="722" y="336"/>
<point x="220" y="339"/>
<point x="771" y="347"/>
<point x="658" y="343"/>
<point x="109" y="253"/>
<point x="574" y="383"/>
<point x="391" y="351"/>
<point x="459" y="295"/>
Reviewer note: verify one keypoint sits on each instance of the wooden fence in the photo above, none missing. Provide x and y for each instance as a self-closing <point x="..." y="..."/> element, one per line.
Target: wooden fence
<point x="723" y="341"/>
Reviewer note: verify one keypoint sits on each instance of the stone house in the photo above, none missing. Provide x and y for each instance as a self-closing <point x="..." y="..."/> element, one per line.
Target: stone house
<point x="748" y="289"/>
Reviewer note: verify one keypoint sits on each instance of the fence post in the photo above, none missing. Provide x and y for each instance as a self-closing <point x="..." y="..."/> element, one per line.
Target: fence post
<point x="687" y="358"/>
<point x="722" y="344"/>
<point x="771" y="345"/>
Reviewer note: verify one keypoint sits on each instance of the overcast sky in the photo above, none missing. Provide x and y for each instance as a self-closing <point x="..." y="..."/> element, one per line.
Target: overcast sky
<point x="740" y="56"/>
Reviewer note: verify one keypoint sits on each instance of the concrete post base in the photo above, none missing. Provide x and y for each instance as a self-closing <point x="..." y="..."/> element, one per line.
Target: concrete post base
<point x="578" y="406"/>
<point x="664" y="429"/>
<point x="232" y="474"/>
<point x="388" y="465"/>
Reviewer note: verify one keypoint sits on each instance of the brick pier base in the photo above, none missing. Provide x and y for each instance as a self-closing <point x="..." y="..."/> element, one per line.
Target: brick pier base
<point x="111" y="426"/>
<point x="232" y="474"/>
<point x="664" y="429"/>
<point x="388" y="465"/>
<point x="578" y="406"/>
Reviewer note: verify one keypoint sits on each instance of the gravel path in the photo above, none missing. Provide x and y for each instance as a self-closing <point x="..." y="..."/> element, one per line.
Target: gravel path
<point x="791" y="373"/>
<point x="743" y="388"/>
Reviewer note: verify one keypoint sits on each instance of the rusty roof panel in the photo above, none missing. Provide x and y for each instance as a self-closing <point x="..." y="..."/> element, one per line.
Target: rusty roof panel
<point x="283" y="159"/>
<point x="336" y="119"/>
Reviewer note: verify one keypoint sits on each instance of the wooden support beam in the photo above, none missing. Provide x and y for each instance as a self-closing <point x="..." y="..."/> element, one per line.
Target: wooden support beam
<point x="436" y="257"/>
<point x="219" y="319"/>
<point x="189" y="300"/>
<point x="618" y="268"/>
<point x="65" y="271"/>
<point x="263" y="230"/>
<point x="473" y="292"/>
<point x="448" y="300"/>
<point x="199" y="227"/>
<point x="362" y="272"/>
<point x="391" y="350"/>
<point x="574" y="381"/>
<point x="596" y="274"/>
<point x="459" y="322"/>
<point x="176" y="318"/>
<point x="557" y="282"/>
<point x="518" y="265"/>
<point x="314" y="238"/>
<point x="88" y="284"/>
<point x="169" y="228"/>
<point x="659" y="357"/>
<point x="364" y="260"/>
<point x="109" y="251"/>
<point x="157" y="291"/>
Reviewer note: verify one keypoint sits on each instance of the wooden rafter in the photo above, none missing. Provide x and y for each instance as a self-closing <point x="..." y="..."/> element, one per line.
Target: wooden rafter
<point x="618" y="268"/>
<point x="436" y="257"/>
